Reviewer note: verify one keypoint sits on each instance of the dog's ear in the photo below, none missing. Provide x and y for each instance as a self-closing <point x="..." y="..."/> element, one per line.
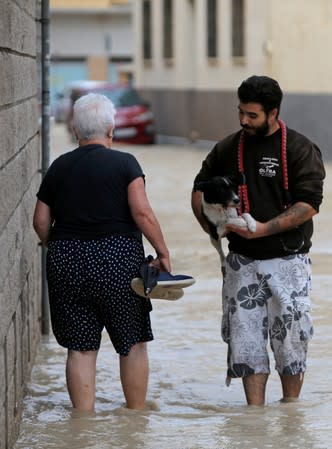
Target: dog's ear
<point x="233" y="180"/>
<point x="227" y="180"/>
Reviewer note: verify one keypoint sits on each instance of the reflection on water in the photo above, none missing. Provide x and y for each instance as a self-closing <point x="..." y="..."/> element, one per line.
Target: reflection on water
<point x="189" y="405"/>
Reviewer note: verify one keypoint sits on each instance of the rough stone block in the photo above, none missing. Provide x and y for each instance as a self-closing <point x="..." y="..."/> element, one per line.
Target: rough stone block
<point x="18" y="76"/>
<point x="11" y="415"/>
<point x="27" y="5"/>
<point x="26" y="353"/>
<point x="3" y="376"/>
<point x="15" y="137"/>
<point x="10" y="352"/>
<point x="15" y="180"/>
<point x="18" y="30"/>
<point x="4" y="315"/>
<point x="19" y="180"/>
<point x="3" y="427"/>
<point x="18" y="350"/>
<point x="19" y="226"/>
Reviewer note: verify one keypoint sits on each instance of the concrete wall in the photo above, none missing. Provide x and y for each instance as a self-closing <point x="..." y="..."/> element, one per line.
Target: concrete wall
<point x="191" y="67"/>
<point x="288" y="40"/>
<point x="80" y="34"/>
<point x="89" y="40"/>
<point x="194" y="96"/>
<point x="19" y="179"/>
<point x="208" y="116"/>
<point x="301" y="40"/>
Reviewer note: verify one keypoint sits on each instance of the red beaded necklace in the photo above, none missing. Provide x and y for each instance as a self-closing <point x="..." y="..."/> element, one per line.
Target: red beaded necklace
<point x="243" y="189"/>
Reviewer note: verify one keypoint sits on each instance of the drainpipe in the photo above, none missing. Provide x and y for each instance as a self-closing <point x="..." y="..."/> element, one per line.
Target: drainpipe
<point x="45" y="139"/>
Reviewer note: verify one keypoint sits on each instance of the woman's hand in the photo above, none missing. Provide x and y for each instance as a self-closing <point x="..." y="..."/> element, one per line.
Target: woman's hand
<point x="162" y="262"/>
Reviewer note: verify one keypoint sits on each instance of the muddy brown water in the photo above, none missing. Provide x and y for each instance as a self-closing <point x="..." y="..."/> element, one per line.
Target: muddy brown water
<point x="189" y="406"/>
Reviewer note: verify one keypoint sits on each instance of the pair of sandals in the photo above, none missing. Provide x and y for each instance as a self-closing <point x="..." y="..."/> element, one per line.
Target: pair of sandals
<point x="155" y="284"/>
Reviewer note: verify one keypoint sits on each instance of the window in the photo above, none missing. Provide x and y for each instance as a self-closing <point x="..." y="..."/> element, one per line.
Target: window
<point x="237" y="28"/>
<point x="168" y="29"/>
<point x="211" y="26"/>
<point x="147" y="48"/>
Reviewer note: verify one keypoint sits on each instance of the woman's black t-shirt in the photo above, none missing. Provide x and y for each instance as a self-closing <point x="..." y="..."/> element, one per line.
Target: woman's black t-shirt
<point x="86" y="190"/>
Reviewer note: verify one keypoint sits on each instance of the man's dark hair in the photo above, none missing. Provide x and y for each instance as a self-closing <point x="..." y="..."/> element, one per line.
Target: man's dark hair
<point x="261" y="89"/>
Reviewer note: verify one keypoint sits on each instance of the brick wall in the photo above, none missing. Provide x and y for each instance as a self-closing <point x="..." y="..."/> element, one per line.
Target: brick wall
<point x="20" y="288"/>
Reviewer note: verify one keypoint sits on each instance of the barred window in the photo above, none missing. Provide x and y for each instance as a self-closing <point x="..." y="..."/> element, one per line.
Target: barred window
<point x="168" y="29"/>
<point x="238" y="28"/>
<point x="211" y="25"/>
<point x="147" y="45"/>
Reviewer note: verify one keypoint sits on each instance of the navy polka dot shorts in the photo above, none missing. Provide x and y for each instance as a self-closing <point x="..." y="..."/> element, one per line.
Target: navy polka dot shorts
<point x="89" y="289"/>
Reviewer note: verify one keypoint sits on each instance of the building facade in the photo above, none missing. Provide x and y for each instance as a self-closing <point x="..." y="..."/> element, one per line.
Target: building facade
<point x="191" y="55"/>
<point x="20" y="262"/>
<point x="90" y="40"/>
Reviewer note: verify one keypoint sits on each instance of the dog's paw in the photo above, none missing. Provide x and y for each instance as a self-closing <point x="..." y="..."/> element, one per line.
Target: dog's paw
<point x="238" y="222"/>
<point x="251" y="222"/>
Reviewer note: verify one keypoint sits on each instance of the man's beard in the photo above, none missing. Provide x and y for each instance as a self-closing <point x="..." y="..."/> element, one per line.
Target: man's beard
<point x="259" y="131"/>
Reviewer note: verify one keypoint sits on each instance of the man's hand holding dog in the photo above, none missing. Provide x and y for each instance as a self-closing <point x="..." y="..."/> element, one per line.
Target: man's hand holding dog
<point x="292" y="217"/>
<point x="244" y="231"/>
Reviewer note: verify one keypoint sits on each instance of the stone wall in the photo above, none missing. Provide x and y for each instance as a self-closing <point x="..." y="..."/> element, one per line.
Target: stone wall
<point x="20" y="286"/>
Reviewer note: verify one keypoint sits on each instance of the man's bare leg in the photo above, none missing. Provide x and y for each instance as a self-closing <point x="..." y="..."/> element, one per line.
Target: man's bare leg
<point x="134" y="373"/>
<point x="291" y="386"/>
<point x="81" y="378"/>
<point x="254" y="388"/>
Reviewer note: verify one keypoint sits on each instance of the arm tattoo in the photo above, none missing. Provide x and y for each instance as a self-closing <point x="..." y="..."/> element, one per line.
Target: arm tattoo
<point x="292" y="217"/>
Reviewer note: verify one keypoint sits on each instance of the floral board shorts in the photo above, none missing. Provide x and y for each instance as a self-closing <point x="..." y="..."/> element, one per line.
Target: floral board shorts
<point x="89" y="290"/>
<point x="266" y="299"/>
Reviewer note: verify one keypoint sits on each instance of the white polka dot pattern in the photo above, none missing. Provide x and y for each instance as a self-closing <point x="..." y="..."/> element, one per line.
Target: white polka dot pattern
<point x="89" y="289"/>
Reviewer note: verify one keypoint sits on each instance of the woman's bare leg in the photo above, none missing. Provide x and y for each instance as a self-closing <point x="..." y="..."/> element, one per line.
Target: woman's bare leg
<point x="134" y="374"/>
<point x="81" y="378"/>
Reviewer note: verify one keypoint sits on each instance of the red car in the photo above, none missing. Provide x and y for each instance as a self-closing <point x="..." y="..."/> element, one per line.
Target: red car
<point x="134" y="120"/>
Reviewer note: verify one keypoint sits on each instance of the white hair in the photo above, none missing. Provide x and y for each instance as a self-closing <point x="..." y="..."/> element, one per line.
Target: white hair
<point x="93" y="116"/>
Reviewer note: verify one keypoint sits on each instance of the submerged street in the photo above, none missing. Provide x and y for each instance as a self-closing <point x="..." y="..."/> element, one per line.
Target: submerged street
<point x="189" y="405"/>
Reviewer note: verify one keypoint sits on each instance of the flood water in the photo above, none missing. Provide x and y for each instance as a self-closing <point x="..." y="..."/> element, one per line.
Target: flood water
<point x="189" y="406"/>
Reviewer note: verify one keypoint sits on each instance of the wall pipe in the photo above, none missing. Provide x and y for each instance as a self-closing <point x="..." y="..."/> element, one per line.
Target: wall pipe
<point x="45" y="140"/>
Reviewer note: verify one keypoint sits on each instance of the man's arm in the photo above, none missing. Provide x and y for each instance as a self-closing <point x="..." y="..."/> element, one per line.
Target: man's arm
<point x="196" y="205"/>
<point x="292" y="217"/>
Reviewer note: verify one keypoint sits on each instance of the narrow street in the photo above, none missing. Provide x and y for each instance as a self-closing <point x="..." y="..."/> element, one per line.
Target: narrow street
<point x="189" y="405"/>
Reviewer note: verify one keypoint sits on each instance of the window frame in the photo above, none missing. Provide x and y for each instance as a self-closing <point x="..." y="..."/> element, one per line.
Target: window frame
<point x="147" y="30"/>
<point x="168" y="42"/>
<point x="238" y="30"/>
<point x="212" y="32"/>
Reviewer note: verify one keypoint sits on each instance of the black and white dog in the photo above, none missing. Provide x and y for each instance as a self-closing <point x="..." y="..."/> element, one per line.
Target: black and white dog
<point x="219" y="202"/>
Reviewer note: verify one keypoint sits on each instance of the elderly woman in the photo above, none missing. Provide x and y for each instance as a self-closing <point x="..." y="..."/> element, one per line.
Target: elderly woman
<point x="91" y="212"/>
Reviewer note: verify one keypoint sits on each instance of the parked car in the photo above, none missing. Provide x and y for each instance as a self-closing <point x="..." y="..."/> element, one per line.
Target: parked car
<point x="134" y="119"/>
<point x="61" y="107"/>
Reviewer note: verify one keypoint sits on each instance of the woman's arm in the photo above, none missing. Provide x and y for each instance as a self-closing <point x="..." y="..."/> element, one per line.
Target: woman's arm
<point x="42" y="221"/>
<point x="147" y="222"/>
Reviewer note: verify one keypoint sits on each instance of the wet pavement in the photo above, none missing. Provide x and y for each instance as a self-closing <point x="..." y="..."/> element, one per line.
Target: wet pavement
<point x="189" y="406"/>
